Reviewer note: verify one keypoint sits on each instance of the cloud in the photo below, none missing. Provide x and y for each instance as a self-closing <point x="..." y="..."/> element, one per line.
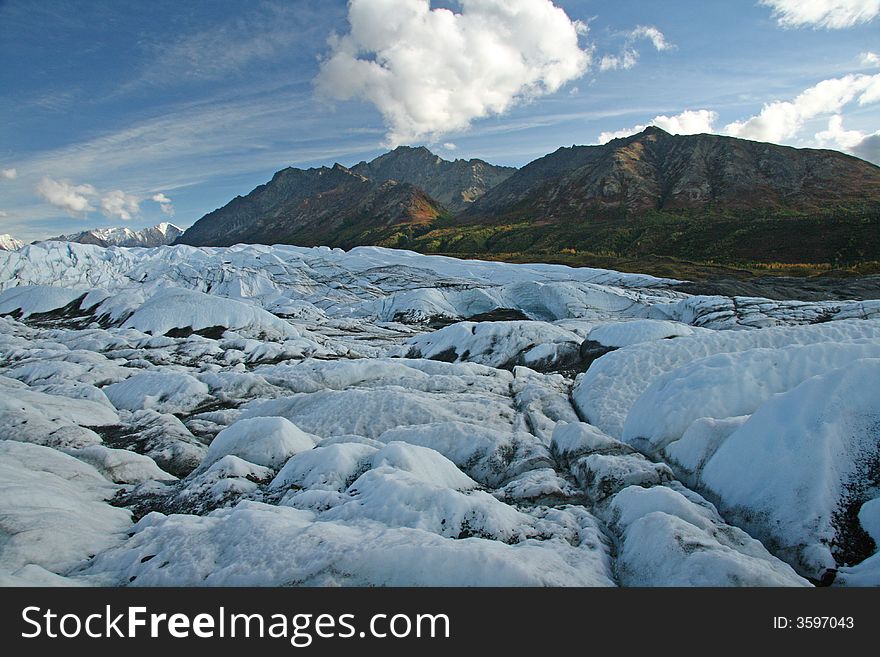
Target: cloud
<point x="3" y="214"/>
<point x="449" y="146"/>
<point x="73" y="199"/>
<point x="654" y="35"/>
<point x="629" y="55"/>
<point x="860" y="144"/>
<point x="832" y="14"/>
<point x="625" y="60"/>
<point x="8" y="174"/>
<point x="433" y="71"/>
<point x="79" y="200"/>
<point x="689" y="122"/>
<point x="119" y="204"/>
<point x="164" y="203"/>
<point x="219" y="50"/>
<point x="869" y="59"/>
<point x="838" y="137"/>
<point x="781" y="120"/>
<point x="869" y="148"/>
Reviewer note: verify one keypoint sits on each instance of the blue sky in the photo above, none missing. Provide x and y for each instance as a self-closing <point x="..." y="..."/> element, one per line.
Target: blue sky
<point x="116" y="112"/>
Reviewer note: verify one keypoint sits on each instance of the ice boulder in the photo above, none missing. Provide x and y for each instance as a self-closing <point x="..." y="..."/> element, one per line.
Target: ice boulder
<point x="497" y="344"/>
<point x="255" y="544"/>
<point x="53" y="509"/>
<point x="796" y="474"/>
<point x="36" y="417"/>
<point x="622" y="334"/>
<point x="121" y="465"/>
<point x="182" y="309"/>
<point x="166" y="392"/>
<point x="671" y="540"/>
<point x="607" y="391"/>
<point x="33" y="299"/>
<point x="427" y="465"/>
<point x="266" y="441"/>
<point x="331" y="467"/>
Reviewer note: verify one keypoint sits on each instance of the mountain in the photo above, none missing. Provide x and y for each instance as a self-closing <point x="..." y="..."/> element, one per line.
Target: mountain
<point x="454" y="184"/>
<point x="704" y="198"/>
<point x="690" y="197"/>
<point x="655" y="170"/>
<point x="159" y="235"/>
<point x="331" y="206"/>
<point x="338" y="206"/>
<point x="9" y="243"/>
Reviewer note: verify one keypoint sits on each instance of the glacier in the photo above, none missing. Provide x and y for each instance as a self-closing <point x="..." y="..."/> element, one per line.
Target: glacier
<point x="275" y="415"/>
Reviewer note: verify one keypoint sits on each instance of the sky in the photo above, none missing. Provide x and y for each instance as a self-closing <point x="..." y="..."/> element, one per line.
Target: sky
<point x="125" y="112"/>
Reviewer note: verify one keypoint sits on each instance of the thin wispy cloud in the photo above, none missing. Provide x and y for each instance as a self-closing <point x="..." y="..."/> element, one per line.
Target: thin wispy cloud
<point x="8" y="174"/>
<point x="831" y="14"/>
<point x="264" y="34"/>
<point x="629" y="55"/>
<point x="432" y="71"/>
<point x="159" y="153"/>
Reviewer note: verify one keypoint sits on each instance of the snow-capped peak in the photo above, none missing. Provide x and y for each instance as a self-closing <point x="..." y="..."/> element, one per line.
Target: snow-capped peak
<point x="159" y="235"/>
<point x="9" y="243"/>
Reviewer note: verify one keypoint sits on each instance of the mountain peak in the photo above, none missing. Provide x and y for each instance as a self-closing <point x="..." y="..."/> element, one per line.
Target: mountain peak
<point x="654" y="130"/>
<point x="454" y="184"/>
<point x="9" y="243"/>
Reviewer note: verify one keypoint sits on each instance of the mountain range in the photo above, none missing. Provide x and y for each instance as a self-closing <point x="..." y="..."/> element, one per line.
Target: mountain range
<point x="701" y="197"/>
<point x="340" y="206"/>
<point x="159" y="235"/>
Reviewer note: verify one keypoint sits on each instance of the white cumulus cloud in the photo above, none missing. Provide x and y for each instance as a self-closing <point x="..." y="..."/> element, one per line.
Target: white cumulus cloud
<point x="834" y="14"/>
<point x="79" y="200"/>
<point x="433" y="71"/>
<point x="869" y="59"/>
<point x="8" y="174"/>
<point x="119" y="204"/>
<point x="63" y="194"/>
<point x="781" y="120"/>
<point x="836" y="136"/>
<point x="689" y="122"/>
<point x="869" y="148"/>
<point x="629" y="55"/>
<point x="164" y="203"/>
<point x="860" y="144"/>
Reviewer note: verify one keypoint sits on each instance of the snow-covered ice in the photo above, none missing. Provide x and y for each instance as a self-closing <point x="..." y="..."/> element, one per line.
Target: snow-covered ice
<point x="283" y="415"/>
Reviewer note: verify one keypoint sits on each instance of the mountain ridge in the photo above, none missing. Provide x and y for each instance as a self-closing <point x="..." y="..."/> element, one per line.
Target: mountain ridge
<point x="704" y="197"/>
<point x="162" y="234"/>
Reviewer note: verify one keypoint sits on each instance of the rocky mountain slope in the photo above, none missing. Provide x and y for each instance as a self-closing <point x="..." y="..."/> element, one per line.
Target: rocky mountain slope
<point x="338" y="206"/>
<point x="655" y="170"/>
<point x="454" y="184"/>
<point x="693" y="197"/>
<point x="331" y="206"/>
